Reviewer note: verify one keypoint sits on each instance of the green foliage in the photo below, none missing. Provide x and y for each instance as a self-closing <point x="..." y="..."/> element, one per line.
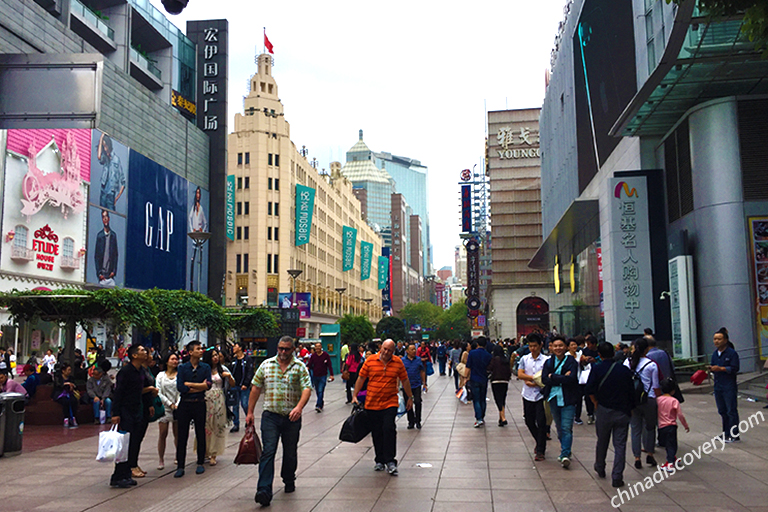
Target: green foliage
<point x="259" y="321"/>
<point x="390" y="327"/>
<point x="425" y="314"/>
<point x="356" y="329"/>
<point x="454" y="324"/>
<point x="755" y="14"/>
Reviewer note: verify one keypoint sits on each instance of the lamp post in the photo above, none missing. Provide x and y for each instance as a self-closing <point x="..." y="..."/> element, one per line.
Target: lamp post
<point x="340" y="290"/>
<point x="368" y="306"/>
<point x="294" y="273"/>
<point x="198" y="240"/>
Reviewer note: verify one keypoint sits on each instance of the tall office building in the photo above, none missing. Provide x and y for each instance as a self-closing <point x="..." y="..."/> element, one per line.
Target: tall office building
<point x="267" y="169"/>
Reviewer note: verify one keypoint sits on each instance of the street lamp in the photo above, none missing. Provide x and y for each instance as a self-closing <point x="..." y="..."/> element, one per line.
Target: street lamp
<point x="198" y="240"/>
<point x="340" y="290"/>
<point x="368" y="305"/>
<point x="294" y="273"/>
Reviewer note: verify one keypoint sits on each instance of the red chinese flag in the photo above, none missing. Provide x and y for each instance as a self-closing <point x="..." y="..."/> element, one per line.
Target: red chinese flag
<point x="267" y="44"/>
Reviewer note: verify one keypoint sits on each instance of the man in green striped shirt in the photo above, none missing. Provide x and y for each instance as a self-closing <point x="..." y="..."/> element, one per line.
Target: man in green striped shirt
<point x="285" y="383"/>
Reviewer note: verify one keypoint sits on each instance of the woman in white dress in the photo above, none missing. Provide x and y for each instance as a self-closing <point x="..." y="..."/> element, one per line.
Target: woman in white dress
<point x="215" y="406"/>
<point x="170" y="396"/>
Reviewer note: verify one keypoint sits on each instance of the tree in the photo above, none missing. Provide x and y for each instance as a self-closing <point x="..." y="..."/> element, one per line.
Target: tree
<point x="755" y="14"/>
<point x="425" y="314"/>
<point x="355" y="329"/>
<point x="391" y="327"/>
<point x="454" y="324"/>
<point x="260" y="322"/>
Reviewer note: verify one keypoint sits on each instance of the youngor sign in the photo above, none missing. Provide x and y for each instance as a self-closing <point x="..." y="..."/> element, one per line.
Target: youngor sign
<point x="366" y="256"/>
<point x="349" y="236"/>
<point x="230" y="207"/>
<point x="305" y="203"/>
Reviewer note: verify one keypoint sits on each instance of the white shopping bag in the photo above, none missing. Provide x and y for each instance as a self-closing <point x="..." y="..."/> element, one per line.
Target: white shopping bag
<point x="102" y="416"/>
<point x="401" y="406"/>
<point x="113" y="446"/>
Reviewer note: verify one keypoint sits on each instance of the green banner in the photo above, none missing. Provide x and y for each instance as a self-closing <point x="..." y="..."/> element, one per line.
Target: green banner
<point x="383" y="272"/>
<point x="366" y="256"/>
<point x="349" y="238"/>
<point x="230" y="207"/>
<point x="305" y="203"/>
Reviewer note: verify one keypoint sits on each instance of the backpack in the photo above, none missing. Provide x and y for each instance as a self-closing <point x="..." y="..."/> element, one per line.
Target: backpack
<point x="441" y="352"/>
<point x="639" y="391"/>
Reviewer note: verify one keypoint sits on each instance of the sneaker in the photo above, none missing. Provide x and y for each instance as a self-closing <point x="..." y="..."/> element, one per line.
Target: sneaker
<point x="262" y="498"/>
<point x="318" y="409"/>
<point x="539" y="457"/>
<point x="66" y="425"/>
<point x="392" y="468"/>
<point x="651" y="461"/>
<point x="578" y="421"/>
<point x="590" y="419"/>
<point x="733" y="440"/>
<point x="565" y="462"/>
<point x="234" y="429"/>
<point x="379" y="467"/>
<point x="290" y="487"/>
<point x="479" y="423"/>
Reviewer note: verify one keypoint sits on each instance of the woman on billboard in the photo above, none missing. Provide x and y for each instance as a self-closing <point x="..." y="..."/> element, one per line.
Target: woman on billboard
<point x="197" y="220"/>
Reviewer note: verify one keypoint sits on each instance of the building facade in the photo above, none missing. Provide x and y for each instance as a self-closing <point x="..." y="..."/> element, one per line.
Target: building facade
<point x="267" y="169"/>
<point x="514" y="170"/>
<point x="652" y="133"/>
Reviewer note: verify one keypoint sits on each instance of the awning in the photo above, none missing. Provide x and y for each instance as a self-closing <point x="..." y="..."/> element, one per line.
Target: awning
<point x="575" y="231"/>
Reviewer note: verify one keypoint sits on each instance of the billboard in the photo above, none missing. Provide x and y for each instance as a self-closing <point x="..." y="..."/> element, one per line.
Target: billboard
<point x="366" y="257"/>
<point x="303" y="302"/>
<point x="44" y="208"/>
<point x="198" y="201"/>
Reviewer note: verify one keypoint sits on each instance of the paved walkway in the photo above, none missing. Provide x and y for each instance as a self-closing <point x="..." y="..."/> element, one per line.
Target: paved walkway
<point x="448" y="465"/>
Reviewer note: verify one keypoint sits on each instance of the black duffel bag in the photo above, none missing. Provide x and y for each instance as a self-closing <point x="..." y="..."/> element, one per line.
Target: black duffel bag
<point x="356" y="427"/>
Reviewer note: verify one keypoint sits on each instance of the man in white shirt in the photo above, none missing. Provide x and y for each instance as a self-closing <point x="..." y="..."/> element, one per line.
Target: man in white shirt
<point x="533" y="400"/>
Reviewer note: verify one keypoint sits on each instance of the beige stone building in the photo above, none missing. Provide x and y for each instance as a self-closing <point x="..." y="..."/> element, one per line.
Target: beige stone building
<point x="267" y="167"/>
<point x="519" y="296"/>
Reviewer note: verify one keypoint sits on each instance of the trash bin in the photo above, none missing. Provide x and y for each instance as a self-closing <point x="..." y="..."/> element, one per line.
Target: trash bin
<point x="2" y="426"/>
<point x="13" y="409"/>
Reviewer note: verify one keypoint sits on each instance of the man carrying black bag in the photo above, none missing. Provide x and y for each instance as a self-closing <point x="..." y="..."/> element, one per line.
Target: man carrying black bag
<point x="356" y="427"/>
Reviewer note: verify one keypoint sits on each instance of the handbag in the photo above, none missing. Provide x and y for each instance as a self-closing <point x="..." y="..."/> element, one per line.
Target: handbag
<point x="113" y="446"/>
<point x="159" y="409"/>
<point x="356" y="426"/>
<point x="430" y="368"/>
<point x="249" y="451"/>
<point x="345" y="375"/>
<point x="462" y="369"/>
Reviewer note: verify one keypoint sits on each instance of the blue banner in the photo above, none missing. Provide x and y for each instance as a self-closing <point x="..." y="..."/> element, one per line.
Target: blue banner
<point x="349" y="240"/>
<point x="383" y="272"/>
<point x="305" y="203"/>
<point x="366" y="256"/>
<point x="230" y="207"/>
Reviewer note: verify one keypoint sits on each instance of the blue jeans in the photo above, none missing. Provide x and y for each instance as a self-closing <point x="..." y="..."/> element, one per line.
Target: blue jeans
<point x="442" y="362"/>
<point x="241" y="398"/>
<point x="274" y="428"/>
<point x="727" y="407"/>
<point x="107" y="408"/>
<point x="479" y="392"/>
<point x="563" y="416"/>
<point x="319" y="384"/>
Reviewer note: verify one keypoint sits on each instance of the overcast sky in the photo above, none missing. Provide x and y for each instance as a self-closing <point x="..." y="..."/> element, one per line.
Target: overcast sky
<point x="416" y="76"/>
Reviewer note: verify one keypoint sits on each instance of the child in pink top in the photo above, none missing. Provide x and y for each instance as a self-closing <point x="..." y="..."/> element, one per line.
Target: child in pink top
<point x="668" y="413"/>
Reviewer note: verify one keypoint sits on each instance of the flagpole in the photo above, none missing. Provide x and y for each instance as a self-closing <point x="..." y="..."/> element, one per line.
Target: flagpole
<point x="264" y="40"/>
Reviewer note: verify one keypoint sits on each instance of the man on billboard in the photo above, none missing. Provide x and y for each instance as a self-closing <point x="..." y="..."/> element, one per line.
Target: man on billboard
<point x="112" y="176"/>
<point x="105" y="254"/>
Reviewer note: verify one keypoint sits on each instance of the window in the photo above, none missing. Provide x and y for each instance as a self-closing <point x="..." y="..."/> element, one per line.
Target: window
<point x="247" y="207"/>
<point x="245" y="263"/>
<point x="247" y="159"/>
<point x="247" y="182"/>
<point x="269" y="183"/>
<point x="238" y="266"/>
<point x="277" y="183"/>
<point x="68" y="248"/>
<point x="269" y="263"/>
<point x="277" y="160"/>
<point x="269" y="233"/>
<point x="274" y="267"/>
<point x="246" y="229"/>
<point x="239" y="183"/>
<point x="239" y="208"/>
<point x="239" y="232"/>
<point x="277" y="209"/>
<point x="20" y="239"/>
<point x="269" y="208"/>
<point x="277" y="232"/>
<point x="269" y="159"/>
<point x="239" y="159"/>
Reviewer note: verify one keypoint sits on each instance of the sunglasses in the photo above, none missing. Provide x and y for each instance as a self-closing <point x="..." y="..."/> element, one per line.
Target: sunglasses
<point x="285" y="349"/>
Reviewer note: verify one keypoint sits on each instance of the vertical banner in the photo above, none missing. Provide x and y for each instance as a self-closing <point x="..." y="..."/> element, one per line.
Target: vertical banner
<point x="366" y="256"/>
<point x="466" y="208"/>
<point x="349" y="237"/>
<point x="305" y="203"/>
<point x="230" y="207"/>
<point x="631" y="243"/>
<point x="383" y="272"/>
<point x="758" y="231"/>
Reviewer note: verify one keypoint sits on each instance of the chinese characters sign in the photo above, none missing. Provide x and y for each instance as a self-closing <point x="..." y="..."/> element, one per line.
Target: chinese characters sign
<point x="631" y="250"/>
<point x="519" y="142"/>
<point x="349" y="236"/>
<point x="466" y="208"/>
<point x="383" y="272"/>
<point x="305" y="202"/>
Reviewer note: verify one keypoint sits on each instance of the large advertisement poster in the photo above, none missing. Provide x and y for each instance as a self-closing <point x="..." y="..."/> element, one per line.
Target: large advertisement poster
<point x="758" y="231"/>
<point x="44" y="207"/>
<point x="303" y="302"/>
<point x="198" y="200"/>
<point x="366" y="257"/>
<point x="108" y="211"/>
<point x="157" y="226"/>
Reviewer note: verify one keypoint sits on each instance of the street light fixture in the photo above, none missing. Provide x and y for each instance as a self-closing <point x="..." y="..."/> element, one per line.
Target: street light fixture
<point x="198" y="240"/>
<point x="294" y="273"/>
<point x="340" y="290"/>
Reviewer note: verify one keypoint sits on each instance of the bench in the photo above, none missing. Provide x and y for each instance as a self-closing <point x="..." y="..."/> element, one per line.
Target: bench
<point x="42" y="410"/>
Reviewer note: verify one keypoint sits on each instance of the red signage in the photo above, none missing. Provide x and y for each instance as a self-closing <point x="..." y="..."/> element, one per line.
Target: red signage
<point x="301" y="332"/>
